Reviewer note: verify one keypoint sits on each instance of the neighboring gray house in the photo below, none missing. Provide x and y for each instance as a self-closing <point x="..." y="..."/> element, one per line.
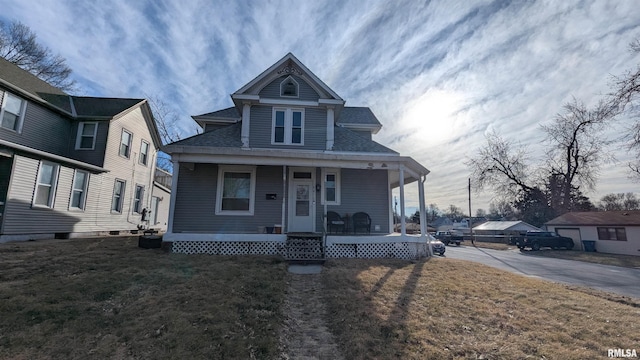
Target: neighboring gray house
<point x="615" y="232"/>
<point x="500" y="231"/>
<point x="72" y="166"/>
<point x="288" y="152"/>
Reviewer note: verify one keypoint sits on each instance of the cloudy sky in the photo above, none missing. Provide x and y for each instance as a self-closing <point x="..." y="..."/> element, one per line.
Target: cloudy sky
<point x="438" y="74"/>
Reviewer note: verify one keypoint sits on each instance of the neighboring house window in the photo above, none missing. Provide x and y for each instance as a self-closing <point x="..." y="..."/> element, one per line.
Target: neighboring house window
<point x="288" y="126"/>
<point x="118" y="195"/>
<point x="144" y="152"/>
<point x="125" y="143"/>
<point x="46" y="184"/>
<point x="86" y="138"/>
<point x="331" y="186"/>
<point x="79" y="190"/>
<point x="12" y="112"/>
<point x="236" y="190"/>
<point x="611" y="233"/>
<point x="289" y="87"/>
<point x="138" y="199"/>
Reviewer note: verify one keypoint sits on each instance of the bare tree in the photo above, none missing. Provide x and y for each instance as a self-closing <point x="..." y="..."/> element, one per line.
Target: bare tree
<point x="625" y="96"/>
<point x="575" y="150"/>
<point x="619" y="201"/>
<point x="500" y="166"/>
<point x="18" y="45"/>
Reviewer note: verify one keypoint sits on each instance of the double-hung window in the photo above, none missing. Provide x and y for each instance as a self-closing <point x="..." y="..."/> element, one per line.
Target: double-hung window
<point x="138" y="199"/>
<point x="330" y="187"/>
<point x="125" y="143"/>
<point x="79" y="190"/>
<point x="86" y="139"/>
<point x="46" y="185"/>
<point x="144" y="152"/>
<point x="12" y="112"/>
<point x="118" y="195"/>
<point x="288" y="126"/>
<point x="236" y="190"/>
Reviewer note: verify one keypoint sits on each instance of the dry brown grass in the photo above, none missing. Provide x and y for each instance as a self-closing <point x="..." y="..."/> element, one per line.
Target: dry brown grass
<point x="450" y="309"/>
<point x="629" y="261"/>
<point x="109" y="299"/>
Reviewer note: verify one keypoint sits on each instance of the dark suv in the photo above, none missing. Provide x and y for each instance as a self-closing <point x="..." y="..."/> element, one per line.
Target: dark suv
<point x="537" y="239"/>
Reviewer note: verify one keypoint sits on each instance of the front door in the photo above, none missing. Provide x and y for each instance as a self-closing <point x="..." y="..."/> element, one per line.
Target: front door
<point x="301" y="201"/>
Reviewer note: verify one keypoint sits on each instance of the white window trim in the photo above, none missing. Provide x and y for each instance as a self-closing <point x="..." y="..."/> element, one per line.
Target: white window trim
<point x="133" y="203"/>
<point x="297" y="95"/>
<point x="54" y="186"/>
<point x="127" y="156"/>
<point x="84" y="190"/>
<point x="142" y="142"/>
<point x="288" y="126"/>
<point x="23" y="108"/>
<point x="79" y="136"/>
<point x="252" y="192"/>
<point x="122" y="195"/>
<point x="324" y="173"/>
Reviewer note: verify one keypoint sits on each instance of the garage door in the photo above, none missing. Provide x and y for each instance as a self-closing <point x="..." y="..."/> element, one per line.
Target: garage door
<point x="574" y="234"/>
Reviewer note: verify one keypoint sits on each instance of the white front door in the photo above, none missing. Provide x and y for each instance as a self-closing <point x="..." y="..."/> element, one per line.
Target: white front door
<point x="301" y="201"/>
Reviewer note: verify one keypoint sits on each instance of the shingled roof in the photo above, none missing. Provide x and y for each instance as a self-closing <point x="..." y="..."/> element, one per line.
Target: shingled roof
<point x="357" y="115"/>
<point x="595" y="218"/>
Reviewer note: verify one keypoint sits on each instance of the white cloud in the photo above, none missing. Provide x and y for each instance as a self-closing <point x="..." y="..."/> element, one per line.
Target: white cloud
<point x="438" y="75"/>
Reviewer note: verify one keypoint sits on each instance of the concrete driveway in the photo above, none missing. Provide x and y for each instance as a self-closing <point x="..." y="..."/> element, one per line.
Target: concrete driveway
<point x="619" y="280"/>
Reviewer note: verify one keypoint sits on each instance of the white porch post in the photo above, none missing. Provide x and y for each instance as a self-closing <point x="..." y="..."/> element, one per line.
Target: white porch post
<point x="246" y="116"/>
<point x="284" y="198"/>
<point x="423" y="217"/>
<point x="330" y="125"/>
<point x="403" y="225"/>
<point x="174" y="193"/>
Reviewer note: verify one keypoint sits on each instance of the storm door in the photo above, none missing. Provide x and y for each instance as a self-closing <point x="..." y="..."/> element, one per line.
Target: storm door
<point x="302" y="196"/>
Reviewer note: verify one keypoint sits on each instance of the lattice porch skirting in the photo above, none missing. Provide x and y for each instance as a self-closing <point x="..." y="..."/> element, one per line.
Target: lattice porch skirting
<point x="397" y="250"/>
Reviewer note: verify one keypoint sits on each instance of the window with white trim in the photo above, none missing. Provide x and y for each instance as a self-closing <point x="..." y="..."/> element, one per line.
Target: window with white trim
<point x="118" y="195"/>
<point x="125" y="143"/>
<point x="12" y="112"/>
<point x="86" y="139"/>
<point x="330" y="194"/>
<point x="235" y="193"/>
<point x="612" y="233"/>
<point x="144" y="153"/>
<point x="138" y="199"/>
<point x="288" y="126"/>
<point x="79" y="190"/>
<point x="46" y="185"/>
<point x="289" y="87"/>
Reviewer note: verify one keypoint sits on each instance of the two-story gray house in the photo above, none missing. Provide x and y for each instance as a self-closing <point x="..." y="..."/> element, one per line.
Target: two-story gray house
<point x="289" y="159"/>
<point x="74" y="166"/>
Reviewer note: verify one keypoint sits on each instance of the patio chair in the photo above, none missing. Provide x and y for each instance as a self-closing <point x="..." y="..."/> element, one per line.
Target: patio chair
<point x="335" y="222"/>
<point x="361" y="220"/>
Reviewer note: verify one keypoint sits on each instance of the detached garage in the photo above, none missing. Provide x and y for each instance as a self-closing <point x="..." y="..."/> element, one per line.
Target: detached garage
<point x="500" y="231"/>
<point x="614" y="232"/>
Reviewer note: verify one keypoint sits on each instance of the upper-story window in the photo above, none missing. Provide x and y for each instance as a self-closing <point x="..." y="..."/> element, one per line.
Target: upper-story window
<point x="12" y="112"/>
<point x="125" y="143"/>
<point x="86" y="139"/>
<point x="289" y="87"/>
<point x="144" y="153"/>
<point x="288" y="126"/>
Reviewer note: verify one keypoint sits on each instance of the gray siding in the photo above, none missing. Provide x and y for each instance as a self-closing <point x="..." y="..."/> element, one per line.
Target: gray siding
<point x="305" y="92"/>
<point x="196" y="201"/>
<point x="95" y="156"/>
<point x="315" y="129"/>
<point x="42" y="129"/>
<point x="361" y="190"/>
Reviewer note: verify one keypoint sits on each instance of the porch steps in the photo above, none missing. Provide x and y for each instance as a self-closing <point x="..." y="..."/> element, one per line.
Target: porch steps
<point x="305" y="248"/>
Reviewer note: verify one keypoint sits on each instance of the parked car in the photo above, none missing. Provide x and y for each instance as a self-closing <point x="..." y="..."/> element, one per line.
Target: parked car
<point x="436" y="245"/>
<point x="538" y="239"/>
<point x="447" y="237"/>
